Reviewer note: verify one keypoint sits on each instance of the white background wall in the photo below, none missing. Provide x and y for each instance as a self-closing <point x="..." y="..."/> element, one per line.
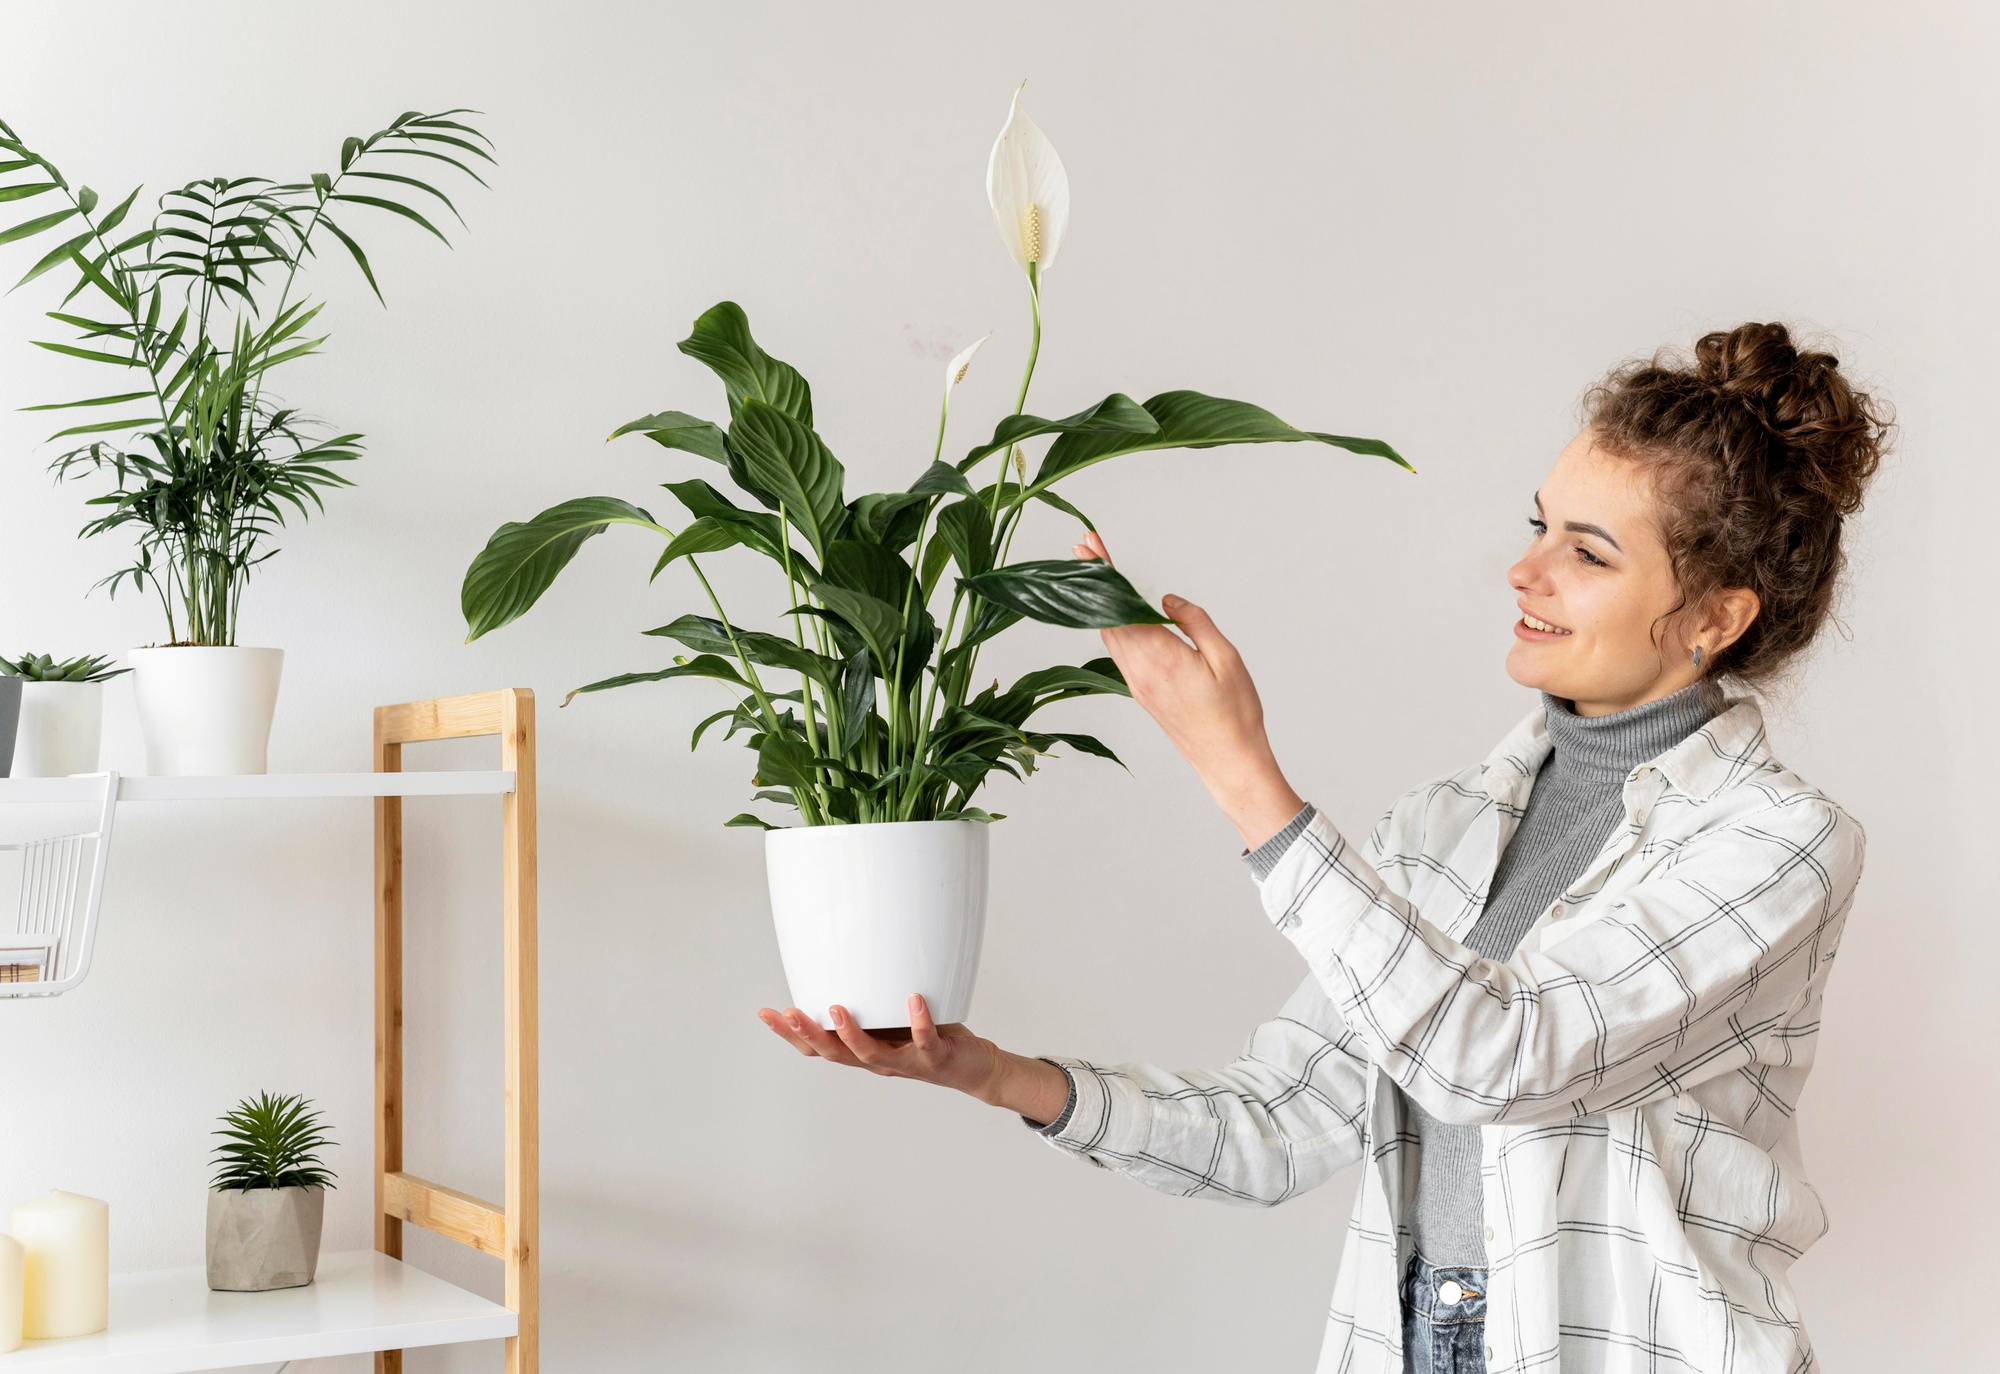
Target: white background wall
<point x="1432" y="222"/>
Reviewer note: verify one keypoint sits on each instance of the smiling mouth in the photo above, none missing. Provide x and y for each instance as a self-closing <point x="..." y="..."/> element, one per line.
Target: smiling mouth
<point x="1542" y="625"/>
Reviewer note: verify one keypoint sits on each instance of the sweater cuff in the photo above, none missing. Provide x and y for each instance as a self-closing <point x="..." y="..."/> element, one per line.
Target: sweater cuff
<point x="1110" y="1115"/>
<point x="1069" y="1106"/>
<point x="1264" y="858"/>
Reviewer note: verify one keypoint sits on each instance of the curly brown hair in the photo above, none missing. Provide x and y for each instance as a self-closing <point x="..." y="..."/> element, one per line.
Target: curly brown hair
<point x="1757" y="453"/>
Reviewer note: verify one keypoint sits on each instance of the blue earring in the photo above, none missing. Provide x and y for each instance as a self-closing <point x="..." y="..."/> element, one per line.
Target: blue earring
<point x="1697" y="655"/>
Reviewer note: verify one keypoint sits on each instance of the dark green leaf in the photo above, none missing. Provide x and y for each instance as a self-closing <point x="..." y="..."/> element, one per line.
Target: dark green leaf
<point x="764" y="533"/>
<point x="941" y="479"/>
<point x="702" y="665"/>
<point x="1081" y="595"/>
<point x="891" y="519"/>
<point x="1086" y="744"/>
<point x="1116" y="416"/>
<point x="1066" y="508"/>
<point x="25" y="190"/>
<point x="521" y="560"/>
<point x="392" y="207"/>
<point x="781" y="462"/>
<point x="702" y="536"/>
<point x="857" y="699"/>
<point x="673" y="429"/>
<point x="966" y="526"/>
<point x="1188" y="419"/>
<point x="1099" y="676"/>
<point x="745" y="819"/>
<point x="878" y="622"/>
<point x="721" y="339"/>
<point x="708" y="636"/>
<point x="863" y="567"/>
<point x="62" y="252"/>
<point x="784" y="760"/>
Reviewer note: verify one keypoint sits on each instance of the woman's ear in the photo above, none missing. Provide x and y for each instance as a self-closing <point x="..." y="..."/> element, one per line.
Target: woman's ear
<point x="1730" y="613"/>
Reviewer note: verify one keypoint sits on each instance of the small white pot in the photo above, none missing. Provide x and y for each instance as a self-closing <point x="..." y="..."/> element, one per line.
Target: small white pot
<point x="205" y="709"/>
<point x="61" y="724"/>
<point x="868" y="914"/>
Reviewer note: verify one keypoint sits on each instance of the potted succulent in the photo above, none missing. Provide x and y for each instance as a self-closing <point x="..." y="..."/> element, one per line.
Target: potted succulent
<point x="267" y="1204"/>
<point x="203" y="466"/>
<point x="868" y="718"/>
<point x="62" y="713"/>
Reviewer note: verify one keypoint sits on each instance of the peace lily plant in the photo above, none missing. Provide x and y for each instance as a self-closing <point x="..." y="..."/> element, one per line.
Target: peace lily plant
<point x="866" y="710"/>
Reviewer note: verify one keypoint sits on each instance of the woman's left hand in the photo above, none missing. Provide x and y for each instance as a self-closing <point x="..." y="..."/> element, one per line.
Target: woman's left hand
<point x="1201" y="694"/>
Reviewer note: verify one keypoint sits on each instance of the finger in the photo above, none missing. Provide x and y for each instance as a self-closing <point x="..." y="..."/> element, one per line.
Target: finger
<point x="824" y="1043"/>
<point x="863" y="1046"/>
<point x="1095" y="543"/>
<point x="923" y="1032"/>
<point x="784" y="1032"/>
<point x="1199" y="626"/>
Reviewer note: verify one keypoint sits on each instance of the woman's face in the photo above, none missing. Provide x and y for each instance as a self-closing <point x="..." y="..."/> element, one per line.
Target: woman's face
<point x="1593" y="587"/>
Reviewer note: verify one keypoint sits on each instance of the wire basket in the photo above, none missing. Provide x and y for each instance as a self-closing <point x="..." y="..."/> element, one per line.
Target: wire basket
<point x="61" y="881"/>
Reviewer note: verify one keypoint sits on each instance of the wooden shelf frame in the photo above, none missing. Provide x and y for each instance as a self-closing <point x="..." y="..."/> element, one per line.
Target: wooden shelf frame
<point x="509" y="1229"/>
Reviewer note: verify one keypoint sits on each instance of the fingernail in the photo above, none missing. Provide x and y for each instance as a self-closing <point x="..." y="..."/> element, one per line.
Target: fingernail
<point x="838" y="1014"/>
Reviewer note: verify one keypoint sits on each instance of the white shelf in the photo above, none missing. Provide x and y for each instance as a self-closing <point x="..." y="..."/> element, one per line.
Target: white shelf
<point x="264" y="786"/>
<point x="168" y="1322"/>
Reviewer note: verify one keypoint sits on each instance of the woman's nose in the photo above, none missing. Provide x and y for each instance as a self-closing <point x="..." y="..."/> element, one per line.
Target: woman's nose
<point x="1530" y="573"/>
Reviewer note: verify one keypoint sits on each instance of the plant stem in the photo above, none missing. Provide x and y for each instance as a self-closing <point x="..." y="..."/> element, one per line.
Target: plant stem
<point x="750" y="674"/>
<point x="793" y="590"/>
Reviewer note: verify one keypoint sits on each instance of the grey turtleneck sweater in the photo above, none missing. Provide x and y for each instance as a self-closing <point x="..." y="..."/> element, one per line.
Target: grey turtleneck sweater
<point x="1577" y="800"/>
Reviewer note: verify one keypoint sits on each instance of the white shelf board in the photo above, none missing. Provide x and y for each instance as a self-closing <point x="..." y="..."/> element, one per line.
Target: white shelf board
<point x="168" y="1322"/>
<point x="264" y="786"/>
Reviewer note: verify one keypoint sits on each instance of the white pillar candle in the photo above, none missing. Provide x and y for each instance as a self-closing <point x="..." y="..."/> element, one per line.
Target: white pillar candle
<point x="67" y="1238"/>
<point x="10" y="1294"/>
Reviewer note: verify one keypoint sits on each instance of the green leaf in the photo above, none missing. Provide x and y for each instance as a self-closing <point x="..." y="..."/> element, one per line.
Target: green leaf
<point x="62" y="252"/>
<point x="673" y="429"/>
<point x="857" y="699"/>
<point x="1116" y="416"/>
<point x="702" y="536"/>
<point x="86" y="354"/>
<point x="878" y="622"/>
<point x="708" y="636"/>
<point x="863" y="567"/>
<point x="966" y="527"/>
<point x="941" y="479"/>
<point x="1066" y="508"/>
<point x="755" y="529"/>
<point x="1188" y="419"/>
<point x="745" y="819"/>
<point x="521" y="561"/>
<point x="1082" y="595"/>
<point x="703" y="665"/>
<point x="393" y="207"/>
<point x="1083" y="744"/>
<point x="784" y="760"/>
<point x="120" y="399"/>
<point x="1100" y="676"/>
<point x="354" y="251"/>
<point x="781" y="462"/>
<point x="86" y="200"/>
<point x="890" y="519"/>
<point x="22" y="192"/>
<point x="721" y="340"/>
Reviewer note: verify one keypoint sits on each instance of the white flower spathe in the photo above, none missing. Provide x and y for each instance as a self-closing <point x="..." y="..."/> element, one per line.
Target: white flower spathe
<point x="1028" y="190"/>
<point x="954" y="371"/>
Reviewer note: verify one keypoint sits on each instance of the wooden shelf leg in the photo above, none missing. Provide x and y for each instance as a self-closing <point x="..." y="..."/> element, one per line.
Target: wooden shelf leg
<point x="388" y="1014"/>
<point x="523" y="1148"/>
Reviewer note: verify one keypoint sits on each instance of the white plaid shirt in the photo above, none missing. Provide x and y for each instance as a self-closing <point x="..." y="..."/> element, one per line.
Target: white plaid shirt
<point x="1634" y="1066"/>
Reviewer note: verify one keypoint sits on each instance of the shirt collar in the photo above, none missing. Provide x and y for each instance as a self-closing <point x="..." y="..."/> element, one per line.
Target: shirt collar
<point x="1728" y="749"/>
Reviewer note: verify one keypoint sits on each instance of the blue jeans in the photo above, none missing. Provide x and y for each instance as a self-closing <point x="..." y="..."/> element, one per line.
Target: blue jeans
<point x="1444" y="1320"/>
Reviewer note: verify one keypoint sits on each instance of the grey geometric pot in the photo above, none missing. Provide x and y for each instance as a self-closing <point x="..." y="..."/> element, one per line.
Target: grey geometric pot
<point x="263" y="1238"/>
<point x="10" y="720"/>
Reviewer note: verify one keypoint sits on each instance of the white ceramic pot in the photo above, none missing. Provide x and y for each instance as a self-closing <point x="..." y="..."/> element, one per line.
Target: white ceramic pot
<point x="868" y="914"/>
<point x="205" y="709"/>
<point x="61" y="724"/>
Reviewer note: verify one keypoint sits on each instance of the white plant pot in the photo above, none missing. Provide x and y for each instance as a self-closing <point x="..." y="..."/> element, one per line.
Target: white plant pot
<point x="868" y="914"/>
<point x="205" y="709"/>
<point x="61" y="724"/>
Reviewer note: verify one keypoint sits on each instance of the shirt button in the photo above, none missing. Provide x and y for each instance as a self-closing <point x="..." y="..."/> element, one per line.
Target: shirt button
<point x="1489" y="1233"/>
<point x="1449" y="1293"/>
<point x="1489" y="1354"/>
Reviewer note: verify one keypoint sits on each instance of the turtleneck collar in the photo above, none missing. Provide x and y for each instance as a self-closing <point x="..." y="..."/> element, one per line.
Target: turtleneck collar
<point x="1605" y="748"/>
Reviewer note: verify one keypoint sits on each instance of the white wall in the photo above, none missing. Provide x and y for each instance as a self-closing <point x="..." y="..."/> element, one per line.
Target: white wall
<point x="1432" y="222"/>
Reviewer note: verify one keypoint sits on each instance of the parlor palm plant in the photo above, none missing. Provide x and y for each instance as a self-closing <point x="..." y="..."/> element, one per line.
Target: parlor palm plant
<point x="195" y="312"/>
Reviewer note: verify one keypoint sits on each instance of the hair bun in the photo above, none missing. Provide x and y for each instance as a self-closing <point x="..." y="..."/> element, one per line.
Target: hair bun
<point x="1827" y="432"/>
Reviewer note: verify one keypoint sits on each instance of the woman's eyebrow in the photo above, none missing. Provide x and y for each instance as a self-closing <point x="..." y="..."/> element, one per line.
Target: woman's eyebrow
<point x="1579" y="527"/>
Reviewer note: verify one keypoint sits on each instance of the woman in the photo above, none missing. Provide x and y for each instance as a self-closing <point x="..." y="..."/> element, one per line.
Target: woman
<point x="1562" y="1002"/>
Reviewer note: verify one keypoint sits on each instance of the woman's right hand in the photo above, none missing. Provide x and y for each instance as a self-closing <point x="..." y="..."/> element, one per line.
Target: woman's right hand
<point x="950" y="1056"/>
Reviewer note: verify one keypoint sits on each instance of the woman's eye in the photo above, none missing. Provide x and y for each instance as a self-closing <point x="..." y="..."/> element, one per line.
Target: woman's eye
<point x="1537" y="526"/>
<point x="1587" y="556"/>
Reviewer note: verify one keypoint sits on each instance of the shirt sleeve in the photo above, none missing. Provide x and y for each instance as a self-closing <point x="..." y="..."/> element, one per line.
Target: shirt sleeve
<point x="1695" y="972"/>
<point x="1281" y="1119"/>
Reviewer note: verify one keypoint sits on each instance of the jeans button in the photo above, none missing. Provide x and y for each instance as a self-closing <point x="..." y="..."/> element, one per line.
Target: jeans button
<point x="1449" y="1293"/>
